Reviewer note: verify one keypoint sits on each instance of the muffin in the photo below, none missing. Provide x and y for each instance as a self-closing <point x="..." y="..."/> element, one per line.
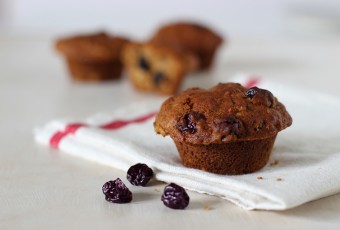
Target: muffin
<point x="227" y="129"/>
<point x="93" y="57"/>
<point x="190" y="38"/>
<point x="153" y="68"/>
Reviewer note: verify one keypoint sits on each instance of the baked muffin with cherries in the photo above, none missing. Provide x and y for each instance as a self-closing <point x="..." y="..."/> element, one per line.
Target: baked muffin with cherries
<point x="155" y="68"/>
<point x="92" y="57"/>
<point x="228" y="129"/>
<point x="191" y="38"/>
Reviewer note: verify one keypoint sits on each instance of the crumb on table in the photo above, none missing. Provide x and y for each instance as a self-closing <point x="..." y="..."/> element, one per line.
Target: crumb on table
<point x="275" y="162"/>
<point x="260" y="178"/>
<point x="279" y="179"/>
<point x="206" y="208"/>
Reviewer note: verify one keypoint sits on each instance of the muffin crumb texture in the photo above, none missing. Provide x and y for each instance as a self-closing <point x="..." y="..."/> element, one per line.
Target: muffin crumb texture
<point x="153" y="68"/>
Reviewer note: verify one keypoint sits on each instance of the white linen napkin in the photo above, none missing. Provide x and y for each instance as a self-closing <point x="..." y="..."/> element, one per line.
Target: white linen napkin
<point x="304" y="164"/>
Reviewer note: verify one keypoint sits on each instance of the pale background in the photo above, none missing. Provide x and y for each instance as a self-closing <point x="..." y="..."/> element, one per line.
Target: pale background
<point x="139" y="18"/>
<point x="294" y="42"/>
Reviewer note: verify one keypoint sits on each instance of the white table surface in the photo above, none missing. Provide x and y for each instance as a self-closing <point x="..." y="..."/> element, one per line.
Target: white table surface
<point x="41" y="188"/>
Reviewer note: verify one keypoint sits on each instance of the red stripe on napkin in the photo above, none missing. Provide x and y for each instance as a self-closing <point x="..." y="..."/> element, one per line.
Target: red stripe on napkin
<point x="69" y="129"/>
<point x="113" y="125"/>
<point x="121" y="123"/>
<point x="253" y="81"/>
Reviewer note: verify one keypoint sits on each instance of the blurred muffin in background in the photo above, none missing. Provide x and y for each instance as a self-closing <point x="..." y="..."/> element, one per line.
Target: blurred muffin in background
<point x="192" y="38"/>
<point x="160" y="64"/>
<point x="93" y="57"/>
<point x="155" y="68"/>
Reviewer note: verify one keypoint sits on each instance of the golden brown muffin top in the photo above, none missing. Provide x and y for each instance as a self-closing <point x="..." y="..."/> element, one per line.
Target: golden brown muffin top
<point x="225" y="113"/>
<point x="187" y="36"/>
<point x="96" y="47"/>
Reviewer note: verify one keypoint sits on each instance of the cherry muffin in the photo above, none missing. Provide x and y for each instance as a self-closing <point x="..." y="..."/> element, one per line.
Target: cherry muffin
<point x="228" y="129"/>
<point x="191" y="38"/>
<point x="154" y="68"/>
<point x="93" y="57"/>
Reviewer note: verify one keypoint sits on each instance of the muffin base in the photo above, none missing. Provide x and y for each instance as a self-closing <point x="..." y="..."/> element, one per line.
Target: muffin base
<point x="232" y="158"/>
<point x="94" y="71"/>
